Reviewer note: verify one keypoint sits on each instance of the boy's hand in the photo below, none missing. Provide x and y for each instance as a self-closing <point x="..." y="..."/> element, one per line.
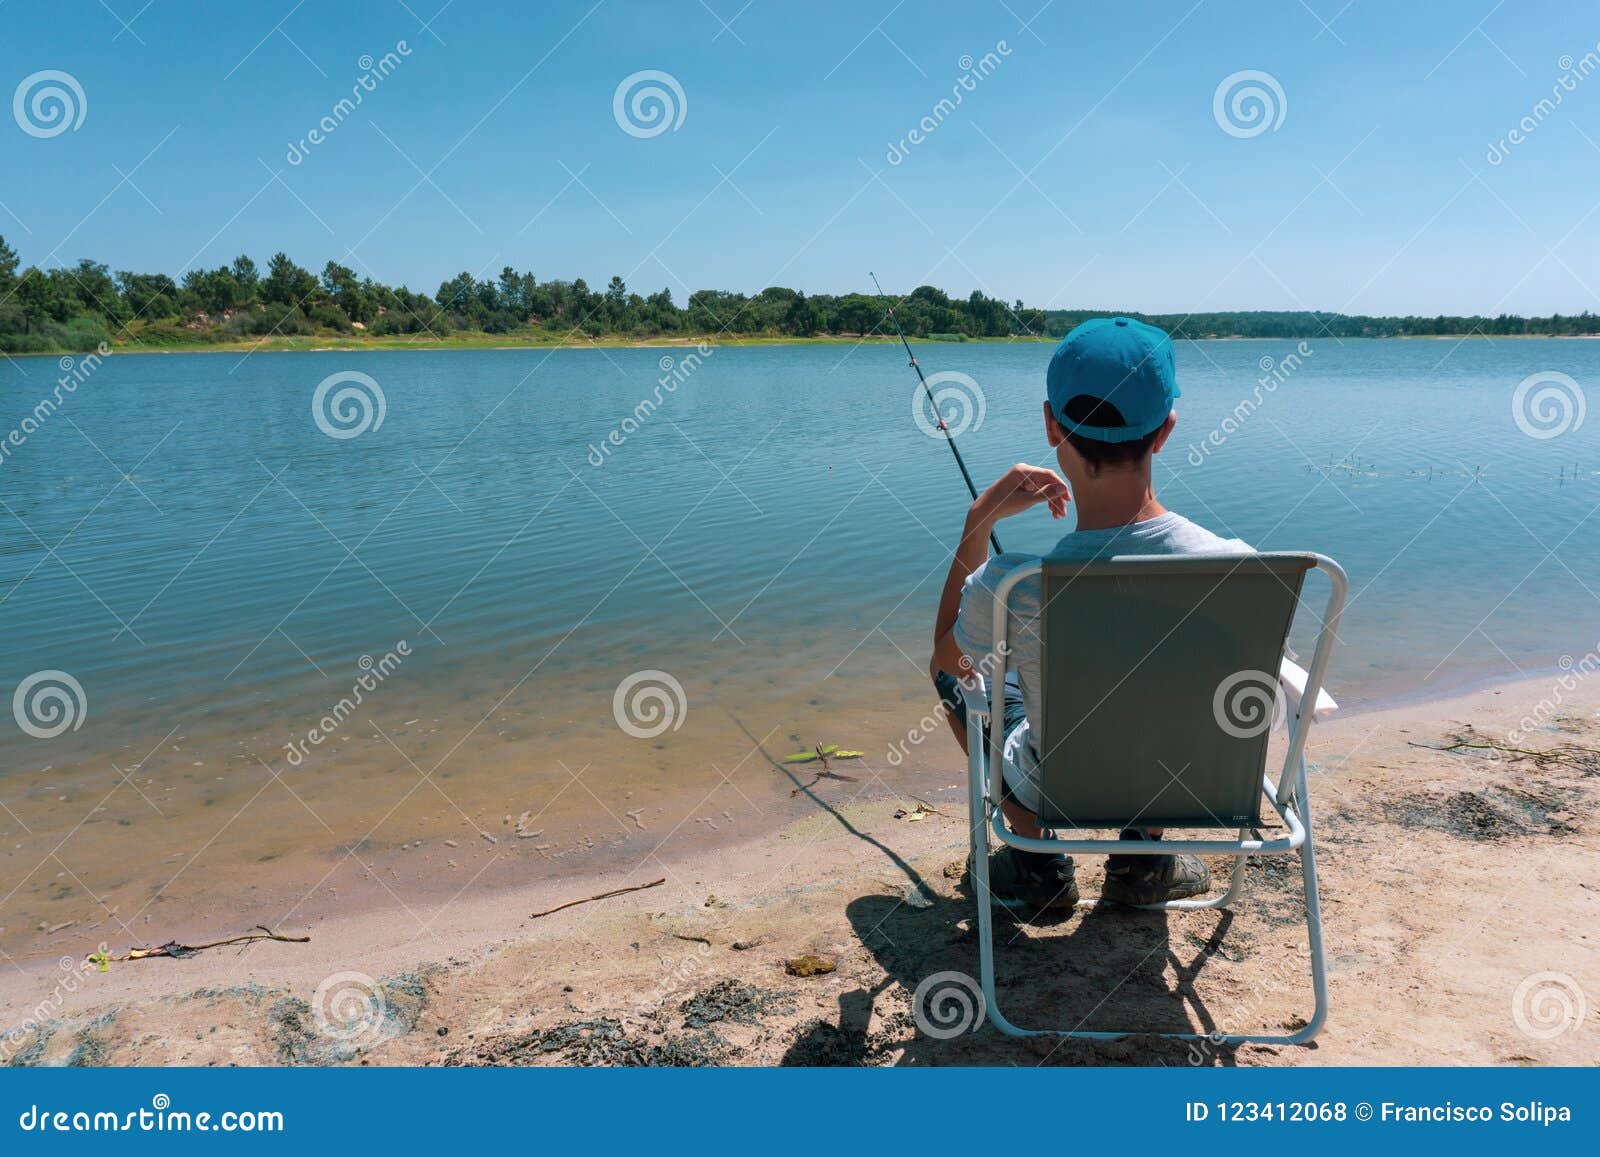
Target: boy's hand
<point x="1018" y="489"/>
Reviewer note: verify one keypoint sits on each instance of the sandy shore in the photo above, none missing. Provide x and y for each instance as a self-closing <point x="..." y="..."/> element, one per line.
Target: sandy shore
<point x="1450" y="881"/>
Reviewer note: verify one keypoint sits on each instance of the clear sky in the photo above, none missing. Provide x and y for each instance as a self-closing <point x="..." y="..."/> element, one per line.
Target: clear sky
<point x="1088" y="168"/>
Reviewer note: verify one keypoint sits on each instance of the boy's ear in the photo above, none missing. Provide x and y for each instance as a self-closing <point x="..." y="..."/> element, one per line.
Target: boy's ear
<point x="1053" y="432"/>
<point x="1165" y="432"/>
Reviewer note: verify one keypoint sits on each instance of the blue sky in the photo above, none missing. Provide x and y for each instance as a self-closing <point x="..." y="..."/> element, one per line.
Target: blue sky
<point x="1086" y="170"/>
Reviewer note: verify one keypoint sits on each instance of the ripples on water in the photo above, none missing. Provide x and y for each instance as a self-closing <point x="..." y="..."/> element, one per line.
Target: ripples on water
<point x="780" y="510"/>
<point x="773" y="536"/>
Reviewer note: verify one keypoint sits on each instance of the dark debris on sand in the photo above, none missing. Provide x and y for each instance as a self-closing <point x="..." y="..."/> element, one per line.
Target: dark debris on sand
<point x="731" y="1000"/>
<point x="1491" y="813"/>
<point x="606" y="1040"/>
<point x="1278" y="876"/>
<point x="1528" y="800"/>
<point x="601" y="1040"/>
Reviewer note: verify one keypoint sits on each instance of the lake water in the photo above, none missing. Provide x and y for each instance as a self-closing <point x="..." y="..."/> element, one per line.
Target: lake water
<point x="185" y="541"/>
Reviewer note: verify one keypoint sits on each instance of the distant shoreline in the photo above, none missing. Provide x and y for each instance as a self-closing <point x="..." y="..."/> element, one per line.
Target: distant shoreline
<point x="499" y="342"/>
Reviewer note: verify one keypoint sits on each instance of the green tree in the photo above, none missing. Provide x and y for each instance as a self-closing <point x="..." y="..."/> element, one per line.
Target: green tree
<point x="8" y="268"/>
<point x="211" y="291"/>
<point x="347" y="292"/>
<point x="286" y="283"/>
<point x="247" y="277"/>
<point x="515" y="290"/>
<point x="148" y="295"/>
<point x="41" y="298"/>
<point x="801" y="318"/>
<point x="97" y="291"/>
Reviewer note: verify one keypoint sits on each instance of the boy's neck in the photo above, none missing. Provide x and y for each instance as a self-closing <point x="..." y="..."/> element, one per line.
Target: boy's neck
<point x="1116" y="498"/>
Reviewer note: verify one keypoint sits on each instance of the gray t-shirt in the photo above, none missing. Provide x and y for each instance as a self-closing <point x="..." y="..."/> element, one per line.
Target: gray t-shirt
<point x="1167" y="533"/>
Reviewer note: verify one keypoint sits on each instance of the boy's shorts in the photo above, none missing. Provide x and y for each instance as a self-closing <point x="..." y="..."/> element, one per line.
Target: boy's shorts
<point x="1013" y="715"/>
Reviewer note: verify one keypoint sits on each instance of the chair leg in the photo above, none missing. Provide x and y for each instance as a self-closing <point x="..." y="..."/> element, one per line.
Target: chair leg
<point x="985" y="902"/>
<point x="1319" y="961"/>
<point x="979" y="839"/>
<point x="1319" y="976"/>
<point x="1235" y="878"/>
<point x="978" y="820"/>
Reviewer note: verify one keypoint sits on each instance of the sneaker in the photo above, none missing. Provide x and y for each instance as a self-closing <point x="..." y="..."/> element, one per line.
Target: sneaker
<point x="1036" y="880"/>
<point x="1138" y="880"/>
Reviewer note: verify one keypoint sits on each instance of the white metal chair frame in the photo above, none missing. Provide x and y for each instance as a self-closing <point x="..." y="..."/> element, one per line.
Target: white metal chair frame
<point x="1289" y="797"/>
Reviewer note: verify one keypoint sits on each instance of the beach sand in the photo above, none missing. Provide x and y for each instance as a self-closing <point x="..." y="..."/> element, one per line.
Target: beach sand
<point x="1461" y="893"/>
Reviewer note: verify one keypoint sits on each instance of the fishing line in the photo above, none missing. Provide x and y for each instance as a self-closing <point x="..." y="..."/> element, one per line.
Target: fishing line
<point x="948" y="437"/>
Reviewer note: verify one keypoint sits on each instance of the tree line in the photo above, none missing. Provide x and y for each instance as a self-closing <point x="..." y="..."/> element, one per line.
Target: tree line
<point x="79" y="307"/>
<point x="1314" y="324"/>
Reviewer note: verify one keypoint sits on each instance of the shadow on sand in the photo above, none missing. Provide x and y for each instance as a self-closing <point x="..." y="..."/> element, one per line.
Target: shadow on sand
<point x="1094" y="969"/>
<point x="1102" y="968"/>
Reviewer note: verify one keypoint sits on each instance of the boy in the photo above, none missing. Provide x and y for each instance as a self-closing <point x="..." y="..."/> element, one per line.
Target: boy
<point x="1110" y="389"/>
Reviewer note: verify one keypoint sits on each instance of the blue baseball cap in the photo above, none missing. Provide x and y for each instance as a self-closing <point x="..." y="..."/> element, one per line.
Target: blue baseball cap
<point x="1117" y="360"/>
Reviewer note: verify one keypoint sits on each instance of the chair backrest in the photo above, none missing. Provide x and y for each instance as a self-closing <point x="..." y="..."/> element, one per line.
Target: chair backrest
<point x="1159" y="686"/>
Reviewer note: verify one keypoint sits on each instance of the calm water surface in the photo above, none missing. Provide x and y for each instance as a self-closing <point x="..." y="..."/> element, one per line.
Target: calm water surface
<point x="185" y="542"/>
<point x="780" y="507"/>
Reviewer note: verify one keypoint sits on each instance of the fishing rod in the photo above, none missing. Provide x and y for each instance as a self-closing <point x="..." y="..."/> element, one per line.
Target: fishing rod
<point x="948" y="437"/>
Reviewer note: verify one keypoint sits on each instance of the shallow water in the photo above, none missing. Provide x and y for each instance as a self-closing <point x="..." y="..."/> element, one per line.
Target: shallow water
<point x="211" y="567"/>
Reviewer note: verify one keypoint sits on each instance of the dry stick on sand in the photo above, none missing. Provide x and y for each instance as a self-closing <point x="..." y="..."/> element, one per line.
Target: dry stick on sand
<point x="1556" y="755"/>
<point x="601" y="896"/>
<point x="177" y="951"/>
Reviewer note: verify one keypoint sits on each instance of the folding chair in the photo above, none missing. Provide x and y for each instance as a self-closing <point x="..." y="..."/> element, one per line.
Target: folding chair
<point x="1157" y="703"/>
